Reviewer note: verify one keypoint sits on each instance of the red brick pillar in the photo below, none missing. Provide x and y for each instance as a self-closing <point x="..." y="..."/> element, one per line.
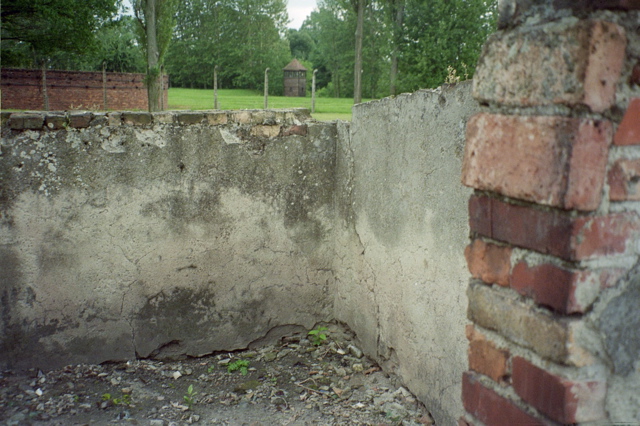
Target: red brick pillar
<point x="555" y="230"/>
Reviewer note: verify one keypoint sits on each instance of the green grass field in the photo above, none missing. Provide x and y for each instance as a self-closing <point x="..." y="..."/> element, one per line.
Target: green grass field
<point x="195" y="99"/>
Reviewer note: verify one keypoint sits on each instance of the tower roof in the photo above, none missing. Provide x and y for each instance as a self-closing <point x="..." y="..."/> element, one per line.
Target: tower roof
<point x="295" y="65"/>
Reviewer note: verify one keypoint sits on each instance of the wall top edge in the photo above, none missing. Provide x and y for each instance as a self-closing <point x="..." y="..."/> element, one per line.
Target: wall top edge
<point x="53" y="120"/>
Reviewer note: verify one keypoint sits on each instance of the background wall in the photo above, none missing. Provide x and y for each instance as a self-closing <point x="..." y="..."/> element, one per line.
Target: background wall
<point x="67" y="90"/>
<point x="401" y="231"/>
<point x="133" y="235"/>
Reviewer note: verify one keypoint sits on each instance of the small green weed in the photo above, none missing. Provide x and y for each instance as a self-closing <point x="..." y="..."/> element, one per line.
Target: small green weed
<point x="211" y="369"/>
<point x="240" y="365"/>
<point x="124" y="400"/>
<point x="318" y="335"/>
<point x="189" y="397"/>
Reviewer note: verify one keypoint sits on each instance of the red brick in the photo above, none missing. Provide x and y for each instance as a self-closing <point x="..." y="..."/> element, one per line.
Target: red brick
<point x="490" y="408"/>
<point x="489" y="262"/>
<point x="561" y="399"/>
<point x="485" y="358"/>
<point x="564" y="62"/>
<point x="72" y="90"/>
<point x="80" y="120"/>
<point x="140" y="118"/>
<point x="556" y="161"/>
<point x="635" y="75"/>
<point x="22" y="121"/>
<point x="567" y="291"/>
<point x="628" y="132"/>
<point x="624" y="180"/>
<point x="603" y="235"/>
<point x="546" y="284"/>
<point x="190" y="117"/>
<point x="295" y="130"/>
<point x="552" y="232"/>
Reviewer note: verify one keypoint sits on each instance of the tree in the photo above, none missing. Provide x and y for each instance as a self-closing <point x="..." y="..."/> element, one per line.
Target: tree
<point x="156" y="22"/>
<point x="116" y="47"/>
<point x="241" y="37"/>
<point x="332" y="31"/>
<point x="300" y="43"/>
<point x="442" y="33"/>
<point x="395" y="14"/>
<point x="34" y="29"/>
<point x="359" y="6"/>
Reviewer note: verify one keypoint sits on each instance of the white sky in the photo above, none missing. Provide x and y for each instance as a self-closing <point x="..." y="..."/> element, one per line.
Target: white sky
<point x="298" y="11"/>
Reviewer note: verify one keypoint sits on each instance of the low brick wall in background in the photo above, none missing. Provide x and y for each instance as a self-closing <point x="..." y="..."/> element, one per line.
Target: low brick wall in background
<point x="69" y="90"/>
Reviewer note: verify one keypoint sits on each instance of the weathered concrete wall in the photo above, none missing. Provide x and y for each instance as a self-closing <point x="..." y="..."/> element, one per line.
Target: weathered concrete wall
<point x="130" y="235"/>
<point x="401" y="231"/>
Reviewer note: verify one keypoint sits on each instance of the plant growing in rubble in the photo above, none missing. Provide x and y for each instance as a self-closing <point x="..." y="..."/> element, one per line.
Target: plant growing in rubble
<point x="318" y="335"/>
<point x="124" y="400"/>
<point x="189" y="397"/>
<point x="240" y="365"/>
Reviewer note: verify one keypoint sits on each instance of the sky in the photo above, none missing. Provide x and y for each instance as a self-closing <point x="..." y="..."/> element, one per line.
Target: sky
<point x="298" y="11"/>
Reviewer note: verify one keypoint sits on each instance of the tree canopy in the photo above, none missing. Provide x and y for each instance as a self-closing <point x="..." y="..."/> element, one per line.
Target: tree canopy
<point x="405" y="44"/>
<point x="32" y="29"/>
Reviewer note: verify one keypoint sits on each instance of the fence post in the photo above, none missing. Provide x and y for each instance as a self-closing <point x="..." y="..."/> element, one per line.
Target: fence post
<point x="44" y="87"/>
<point x="266" y="88"/>
<point x="162" y="87"/>
<point x="313" y="92"/>
<point x="215" y="87"/>
<point x="104" y="84"/>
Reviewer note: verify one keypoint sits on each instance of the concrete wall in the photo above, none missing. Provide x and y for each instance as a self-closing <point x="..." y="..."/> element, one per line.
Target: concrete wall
<point x="400" y="233"/>
<point x="134" y="235"/>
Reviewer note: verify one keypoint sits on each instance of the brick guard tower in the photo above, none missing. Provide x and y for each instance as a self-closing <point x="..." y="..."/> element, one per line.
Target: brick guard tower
<point x="295" y="79"/>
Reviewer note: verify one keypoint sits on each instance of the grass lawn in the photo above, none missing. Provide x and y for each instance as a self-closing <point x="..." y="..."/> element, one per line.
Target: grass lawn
<point x="195" y="99"/>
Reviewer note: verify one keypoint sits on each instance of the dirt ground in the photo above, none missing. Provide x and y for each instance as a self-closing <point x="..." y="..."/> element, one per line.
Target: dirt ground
<point x="299" y="380"/>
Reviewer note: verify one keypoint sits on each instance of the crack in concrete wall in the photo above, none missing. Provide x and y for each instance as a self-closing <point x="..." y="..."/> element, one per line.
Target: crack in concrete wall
<point x="216" y="235"/>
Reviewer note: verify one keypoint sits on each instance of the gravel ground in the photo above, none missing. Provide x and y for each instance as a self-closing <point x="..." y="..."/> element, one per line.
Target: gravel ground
<point x="296" y="381"/>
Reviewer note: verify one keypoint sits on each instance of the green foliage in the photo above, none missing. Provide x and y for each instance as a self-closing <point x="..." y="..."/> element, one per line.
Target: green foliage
<point x="35" y="29"/>
<point x="442" y="33"/>
<point x="125" y="399"/>
<point x="116" y="47"/>
<point x="241" y="37"/>
<point x="189" y="398"/>
<point x="318" y="335"/>
<point x="241" y="365"/>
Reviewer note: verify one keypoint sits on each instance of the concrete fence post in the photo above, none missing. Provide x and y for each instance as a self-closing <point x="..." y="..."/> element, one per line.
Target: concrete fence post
<point x="104" y="84"/>
<point x="215" y="87"/>
<point x="161" y="87"/>
<point x="266" y="88"/>
<point x="44" y="87"/>
<point x="313" y="92"/>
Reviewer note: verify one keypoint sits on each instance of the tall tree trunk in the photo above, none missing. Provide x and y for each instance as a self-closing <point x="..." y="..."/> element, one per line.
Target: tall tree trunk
<point x="397" y="11"/>
<point x="357" y="71"/>
<point x="153" y="55"/>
